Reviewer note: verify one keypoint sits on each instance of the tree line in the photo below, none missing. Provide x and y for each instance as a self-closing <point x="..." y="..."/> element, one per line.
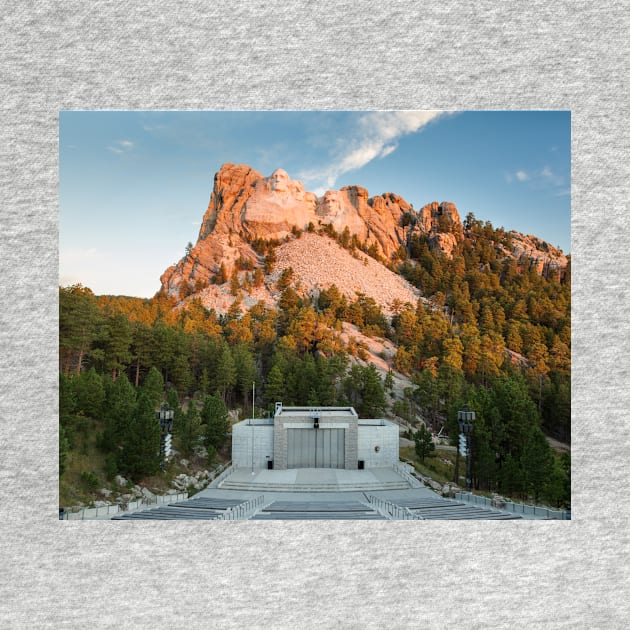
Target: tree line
<point x="486" y="332"/>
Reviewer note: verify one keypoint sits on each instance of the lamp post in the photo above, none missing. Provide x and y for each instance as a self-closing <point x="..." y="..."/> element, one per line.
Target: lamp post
<point x="465" y="419"/>
<point x="165" y="416"/>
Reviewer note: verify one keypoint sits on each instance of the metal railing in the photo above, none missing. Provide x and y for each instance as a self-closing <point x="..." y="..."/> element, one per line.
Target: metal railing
<point x="86" y="514"/>
<point x="403" y="470"/>
<point x="220" y="473"/>
<point x="515" y="508"/>
<point x="242" y="511"/>
<point x="390" y="510"/>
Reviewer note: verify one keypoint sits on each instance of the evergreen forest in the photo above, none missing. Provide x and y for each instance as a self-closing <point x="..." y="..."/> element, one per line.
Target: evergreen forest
<point x="489" y="333"/>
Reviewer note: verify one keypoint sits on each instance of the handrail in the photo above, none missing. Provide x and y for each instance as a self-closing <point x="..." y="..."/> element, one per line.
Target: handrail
<point x="242" y="511"/>
<point x="515" y="508"/>
<point x="228" y="469"/>
<point x="390" y="510"/>
<point x="406" y="475"/>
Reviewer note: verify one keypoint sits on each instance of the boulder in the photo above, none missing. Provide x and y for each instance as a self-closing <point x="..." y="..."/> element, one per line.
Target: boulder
<point x="498" y="502"/>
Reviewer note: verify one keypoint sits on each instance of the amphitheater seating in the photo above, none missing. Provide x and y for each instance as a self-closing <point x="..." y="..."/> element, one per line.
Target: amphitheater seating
<point x="442" y="509"/>
<point x="317" y="510"/>
<point x="193" y="509"/>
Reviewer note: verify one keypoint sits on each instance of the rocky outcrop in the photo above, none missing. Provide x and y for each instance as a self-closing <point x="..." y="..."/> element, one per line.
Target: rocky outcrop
<point x="246" y="206"/>
<point x="531" y="251"/>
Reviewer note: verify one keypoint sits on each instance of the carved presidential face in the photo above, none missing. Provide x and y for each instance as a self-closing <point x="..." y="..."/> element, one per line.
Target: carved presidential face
<point x="331" y="201"/>
<point x="280" y="181"/>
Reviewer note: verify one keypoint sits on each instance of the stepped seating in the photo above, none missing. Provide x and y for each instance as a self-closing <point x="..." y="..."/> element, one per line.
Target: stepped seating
<point x="440" y="509"/>
<point x="229" y="484"/>
<point x="206" y="509"/>
<point x="317" y="510"/>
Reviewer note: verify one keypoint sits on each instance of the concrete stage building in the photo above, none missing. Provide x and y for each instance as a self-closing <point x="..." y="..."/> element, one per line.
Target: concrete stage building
<point x="306" y="437"/>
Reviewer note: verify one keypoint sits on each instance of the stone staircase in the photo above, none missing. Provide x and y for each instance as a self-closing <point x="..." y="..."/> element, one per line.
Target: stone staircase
<point x="447" y="509"/>
<point x="317" y="511"/>
<point x="233" y="484"/>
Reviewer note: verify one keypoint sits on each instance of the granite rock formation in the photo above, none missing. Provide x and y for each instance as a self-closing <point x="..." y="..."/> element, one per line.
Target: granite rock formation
<point x="246" y="206"/>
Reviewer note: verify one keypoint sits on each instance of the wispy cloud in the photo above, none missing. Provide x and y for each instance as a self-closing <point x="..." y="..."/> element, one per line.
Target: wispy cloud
<point x="121" y="146"/>
<point x="542" y="178"/>
<point x="374" y="136"/>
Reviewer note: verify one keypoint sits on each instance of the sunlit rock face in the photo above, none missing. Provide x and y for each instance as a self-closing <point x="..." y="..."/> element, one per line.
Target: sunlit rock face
<point x="245" y="206"/>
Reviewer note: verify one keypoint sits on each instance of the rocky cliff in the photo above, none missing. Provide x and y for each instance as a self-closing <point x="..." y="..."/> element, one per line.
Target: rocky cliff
<point x="246" y="206"/>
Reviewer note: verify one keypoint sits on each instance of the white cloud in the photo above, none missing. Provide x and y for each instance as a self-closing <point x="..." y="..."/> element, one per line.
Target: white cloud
<point x="373" y="136"/>
<point x="121" y="146"/>
<point x="387" y="150"/>
<point x="542" y="178"/>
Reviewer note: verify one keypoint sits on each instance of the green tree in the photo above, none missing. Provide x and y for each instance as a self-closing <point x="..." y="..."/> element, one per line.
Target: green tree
<point x="141" y="450"/>
<point x="64" y="449"/>
<point x="67" y="396"/>
<point x="365" y="389"/>
<point x="225" y="378"/>
<point x="120" y="407"/>
<point x="79" y="324"/>
<point x="153" y="387"/>
<point x="285" y="278"/>
<point x="215" y="415"/>
<point x="537" y="462"/>
<point x="90" y="393"/>
<point x="117" y="343"/>
<point x="234" y="283"/>
<point x="424" y="443"/>
<point x="259" y="278"/>
<point x="141" y="348"/>
<point x="188" y="429"/>
<point x="246" y="372"/>
<point x="274" y="386"/>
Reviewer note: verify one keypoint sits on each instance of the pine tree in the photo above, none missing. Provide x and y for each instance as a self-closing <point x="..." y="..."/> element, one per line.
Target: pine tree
<point x="141" y="450"/>
<point x="120" y="407"/>
<point x="424" y="443"/>
<point x="79" y="324"/>
<point x="153" y="387"/>
<point x="90" y="393"/>
<point x="117" y="344"/>
<point x="188" y="429"/>
<point x="274" y="386"/>
<point x="259" y="278"/>
<point x="234" y="283"/>
<point x="215" y="415"/>
<point x="246" y="373"/>
<point x="537" y="463"/>
<point x="67" y="396"/>
<point x="64" y="449"/>
<point x="226" y="373"/>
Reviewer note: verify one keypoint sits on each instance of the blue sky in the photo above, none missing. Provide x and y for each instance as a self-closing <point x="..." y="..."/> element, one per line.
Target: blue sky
<point x="133" y="186"/>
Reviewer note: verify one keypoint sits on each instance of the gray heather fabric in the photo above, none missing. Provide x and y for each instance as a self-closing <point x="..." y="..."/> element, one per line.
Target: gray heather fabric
<point x="301" y="55"/>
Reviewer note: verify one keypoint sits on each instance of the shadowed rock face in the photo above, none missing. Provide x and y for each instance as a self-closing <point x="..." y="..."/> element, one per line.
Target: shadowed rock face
<point x="246" y="205"/>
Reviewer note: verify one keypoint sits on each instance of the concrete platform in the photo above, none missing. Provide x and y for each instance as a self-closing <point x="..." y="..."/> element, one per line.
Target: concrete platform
<point x="314" y="480"/>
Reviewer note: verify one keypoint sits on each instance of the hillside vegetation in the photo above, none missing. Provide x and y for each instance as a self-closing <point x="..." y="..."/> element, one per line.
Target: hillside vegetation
<point x="488" y="332"/>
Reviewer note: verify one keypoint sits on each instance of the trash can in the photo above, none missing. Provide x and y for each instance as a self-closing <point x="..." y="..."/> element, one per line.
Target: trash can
<point x="270" y="464"/>
<point x="361" y="464"/>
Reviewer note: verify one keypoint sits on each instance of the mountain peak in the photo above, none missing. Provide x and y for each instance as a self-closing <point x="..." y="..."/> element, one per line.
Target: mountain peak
<point x="246" y="208"/>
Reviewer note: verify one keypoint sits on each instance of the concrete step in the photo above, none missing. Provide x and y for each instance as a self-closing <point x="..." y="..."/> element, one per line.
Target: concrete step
<point x="320" y="487"/>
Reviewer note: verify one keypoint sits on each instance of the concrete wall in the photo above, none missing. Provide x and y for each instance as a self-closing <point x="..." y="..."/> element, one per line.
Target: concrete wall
<point x="372" y="434"/>
<point x="242" y="434"/>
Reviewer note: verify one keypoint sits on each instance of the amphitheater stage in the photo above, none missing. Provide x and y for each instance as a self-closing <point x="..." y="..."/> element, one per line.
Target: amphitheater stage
<point x="315" y="480"/>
